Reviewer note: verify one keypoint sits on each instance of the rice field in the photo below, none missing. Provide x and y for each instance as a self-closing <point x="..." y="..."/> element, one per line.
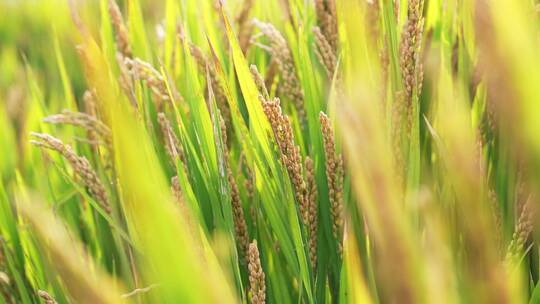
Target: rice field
<point x="285" y="151"/>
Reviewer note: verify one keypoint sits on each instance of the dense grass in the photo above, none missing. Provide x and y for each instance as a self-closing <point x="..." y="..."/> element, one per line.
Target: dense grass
<point x="321" y="151"/>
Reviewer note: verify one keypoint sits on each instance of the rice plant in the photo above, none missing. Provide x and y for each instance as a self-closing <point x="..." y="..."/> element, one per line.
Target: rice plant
<point x="287" y="151"/>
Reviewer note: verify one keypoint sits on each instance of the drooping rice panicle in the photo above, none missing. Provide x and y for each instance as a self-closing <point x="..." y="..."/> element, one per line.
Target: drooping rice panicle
<point x="84" y="121"/>
<point x="410" y="46"/>
<point x="522" y="231"/>
<point x="125" y="80"/>
<point x="120" y="28"/>
<point x="81" y="167"/>
<point x="290" y="152"/>
<point x="312" y="217"/>
<point x="334" y="175"/>
<point x="144" y="71"/>
<point x="46" y="297"/>
<point x="289" y="85"/>
<point x="325" y="53"/>
<point x="240" y="226"/>
<point x="257" y="285"/>
<point x="326" y="15"/>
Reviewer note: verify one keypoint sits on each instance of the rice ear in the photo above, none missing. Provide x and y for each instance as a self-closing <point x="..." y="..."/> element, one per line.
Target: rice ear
<point x="257" y="285"/>
<point x="46" y="297"/>
<point x="83" y="120"/>
<point x="312" y="212"/>
<point x="240" y="226"/>
<point x="289" y="152"/>
<point x="334" y="175"/>
<point x="81" y="167"/>
<point x="120" y="28"/>
<point x="290" y="85"/>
